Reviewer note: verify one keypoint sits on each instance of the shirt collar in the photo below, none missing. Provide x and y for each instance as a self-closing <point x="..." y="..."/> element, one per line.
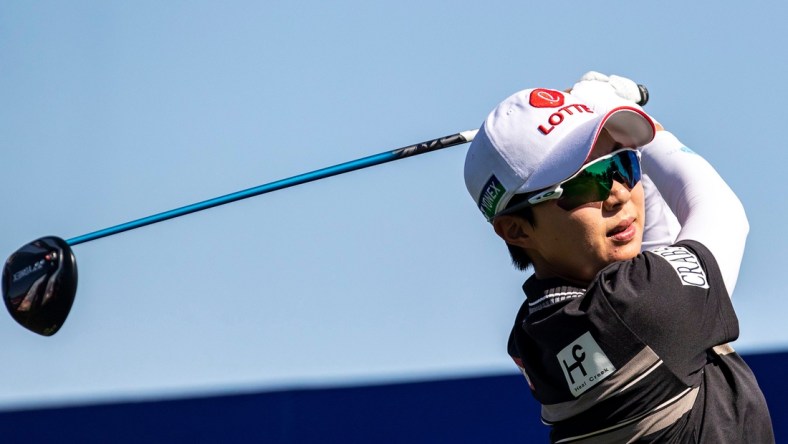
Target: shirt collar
<point x="544" y="293"/>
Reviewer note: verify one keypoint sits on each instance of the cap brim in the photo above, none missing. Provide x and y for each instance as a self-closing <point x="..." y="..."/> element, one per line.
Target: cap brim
<point x="628" y="126"/>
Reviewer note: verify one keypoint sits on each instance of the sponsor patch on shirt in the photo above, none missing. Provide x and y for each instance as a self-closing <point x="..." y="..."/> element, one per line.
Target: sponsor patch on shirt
<point x="686" y="264"/>
<point x="584" y="364"/>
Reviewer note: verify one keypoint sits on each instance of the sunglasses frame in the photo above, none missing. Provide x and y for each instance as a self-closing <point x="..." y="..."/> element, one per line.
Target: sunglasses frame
<point x="557" y="191"/>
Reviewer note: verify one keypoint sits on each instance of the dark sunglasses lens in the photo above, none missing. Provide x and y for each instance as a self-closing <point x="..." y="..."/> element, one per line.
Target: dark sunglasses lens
<point x="583" y="189"/>
<point x="626" y="168"/>
<point x="594" y="183"/>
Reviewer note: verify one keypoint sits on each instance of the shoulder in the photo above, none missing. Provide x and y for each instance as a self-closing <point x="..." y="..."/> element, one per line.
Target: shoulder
<point x="691" y="262"/>
<point x="667" y="283"/>
<point x="678" y="284"/>
<point x="686" y="265"/>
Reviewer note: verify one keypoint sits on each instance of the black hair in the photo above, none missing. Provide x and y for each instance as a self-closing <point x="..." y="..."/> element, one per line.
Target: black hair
<point x="520" y="258"/>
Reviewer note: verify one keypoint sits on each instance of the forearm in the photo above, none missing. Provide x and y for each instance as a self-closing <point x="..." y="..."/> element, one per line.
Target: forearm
<point x="705" y="206"/>
<point x="661" y="227"/>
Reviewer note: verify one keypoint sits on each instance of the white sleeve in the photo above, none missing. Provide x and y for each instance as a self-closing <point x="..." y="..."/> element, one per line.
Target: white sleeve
<point x="706" y="208"/>
<point x="661" y="226"/>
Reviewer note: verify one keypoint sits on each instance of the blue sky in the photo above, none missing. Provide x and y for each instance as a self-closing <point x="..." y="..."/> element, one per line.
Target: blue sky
<point x="113" y="111"/>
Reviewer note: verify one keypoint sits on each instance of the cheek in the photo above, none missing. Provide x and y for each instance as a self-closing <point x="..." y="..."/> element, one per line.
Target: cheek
<point x="581" y="234"/>
<point x="638" y="199"/>
<point x="588" y="224"/>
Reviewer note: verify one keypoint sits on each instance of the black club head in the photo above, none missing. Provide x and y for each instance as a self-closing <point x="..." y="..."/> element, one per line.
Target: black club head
<point x="39" y="284"/>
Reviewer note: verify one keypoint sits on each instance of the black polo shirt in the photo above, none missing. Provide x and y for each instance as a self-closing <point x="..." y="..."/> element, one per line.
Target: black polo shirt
<point x="640" y="355"/>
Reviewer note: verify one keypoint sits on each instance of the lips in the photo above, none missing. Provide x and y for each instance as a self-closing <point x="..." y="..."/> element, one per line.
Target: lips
<point x="624" y="231"/>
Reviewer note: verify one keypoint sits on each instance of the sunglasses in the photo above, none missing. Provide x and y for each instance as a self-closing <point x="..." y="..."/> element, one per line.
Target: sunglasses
<point x="591" y="184"/>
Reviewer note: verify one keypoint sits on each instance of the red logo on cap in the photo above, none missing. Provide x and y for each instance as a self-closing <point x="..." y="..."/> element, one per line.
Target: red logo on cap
<point x="546" y="98"/>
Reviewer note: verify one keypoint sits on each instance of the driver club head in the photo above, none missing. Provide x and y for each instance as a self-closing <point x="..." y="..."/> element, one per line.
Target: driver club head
<point x="39" y="284"/>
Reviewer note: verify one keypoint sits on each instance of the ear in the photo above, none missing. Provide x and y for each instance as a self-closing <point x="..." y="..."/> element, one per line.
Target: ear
<point x="513" y="230"/>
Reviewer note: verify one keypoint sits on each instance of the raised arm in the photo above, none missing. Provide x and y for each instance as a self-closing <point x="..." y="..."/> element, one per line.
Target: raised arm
<point x="706" y="208"/>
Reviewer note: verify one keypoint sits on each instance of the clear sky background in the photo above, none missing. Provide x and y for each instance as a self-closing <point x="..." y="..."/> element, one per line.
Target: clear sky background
<point x="111" y="111"/>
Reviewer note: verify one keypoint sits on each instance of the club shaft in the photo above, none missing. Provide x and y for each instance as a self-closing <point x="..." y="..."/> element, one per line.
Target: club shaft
<point x="377" y="159"/>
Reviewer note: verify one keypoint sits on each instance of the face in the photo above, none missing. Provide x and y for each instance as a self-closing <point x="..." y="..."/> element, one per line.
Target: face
<point x="577" y="244"/>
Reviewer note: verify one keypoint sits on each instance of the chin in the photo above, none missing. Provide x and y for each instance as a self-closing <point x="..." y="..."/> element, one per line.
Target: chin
<point x="624" y="252"/>
<point x="628" y="252"/>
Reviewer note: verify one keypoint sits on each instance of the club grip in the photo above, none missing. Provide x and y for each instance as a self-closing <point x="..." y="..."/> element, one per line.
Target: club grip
<point x="643" y="95"/>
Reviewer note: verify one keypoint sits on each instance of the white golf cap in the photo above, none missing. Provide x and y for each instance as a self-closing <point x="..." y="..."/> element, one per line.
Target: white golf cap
<point x="539" y="137"/>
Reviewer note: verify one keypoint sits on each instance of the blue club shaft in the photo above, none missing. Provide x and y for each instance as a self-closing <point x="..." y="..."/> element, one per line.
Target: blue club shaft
<point x="377" y="159"/>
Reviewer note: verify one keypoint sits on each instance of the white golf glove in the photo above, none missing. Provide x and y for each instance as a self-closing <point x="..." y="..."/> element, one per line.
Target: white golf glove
<point x="604" y="93"/>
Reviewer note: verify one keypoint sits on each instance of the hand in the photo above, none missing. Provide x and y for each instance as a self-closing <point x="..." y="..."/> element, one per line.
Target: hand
<point x="623" y="86"/>
<point x="603" y="93"/>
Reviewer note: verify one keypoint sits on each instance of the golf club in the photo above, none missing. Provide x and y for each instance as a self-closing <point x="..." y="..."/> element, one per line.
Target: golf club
<point x="40" y="278"/>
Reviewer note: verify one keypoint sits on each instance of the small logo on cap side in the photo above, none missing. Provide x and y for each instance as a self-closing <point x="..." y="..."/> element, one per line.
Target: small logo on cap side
<point x="491" y="195"/>
<point x="546" y="98"/>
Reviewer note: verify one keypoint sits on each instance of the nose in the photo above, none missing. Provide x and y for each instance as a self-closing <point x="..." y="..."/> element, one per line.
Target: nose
<point x="619" y="195"/>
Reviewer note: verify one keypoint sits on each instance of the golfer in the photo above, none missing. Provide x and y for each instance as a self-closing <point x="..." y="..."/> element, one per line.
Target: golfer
<point x="617" y="344"/>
